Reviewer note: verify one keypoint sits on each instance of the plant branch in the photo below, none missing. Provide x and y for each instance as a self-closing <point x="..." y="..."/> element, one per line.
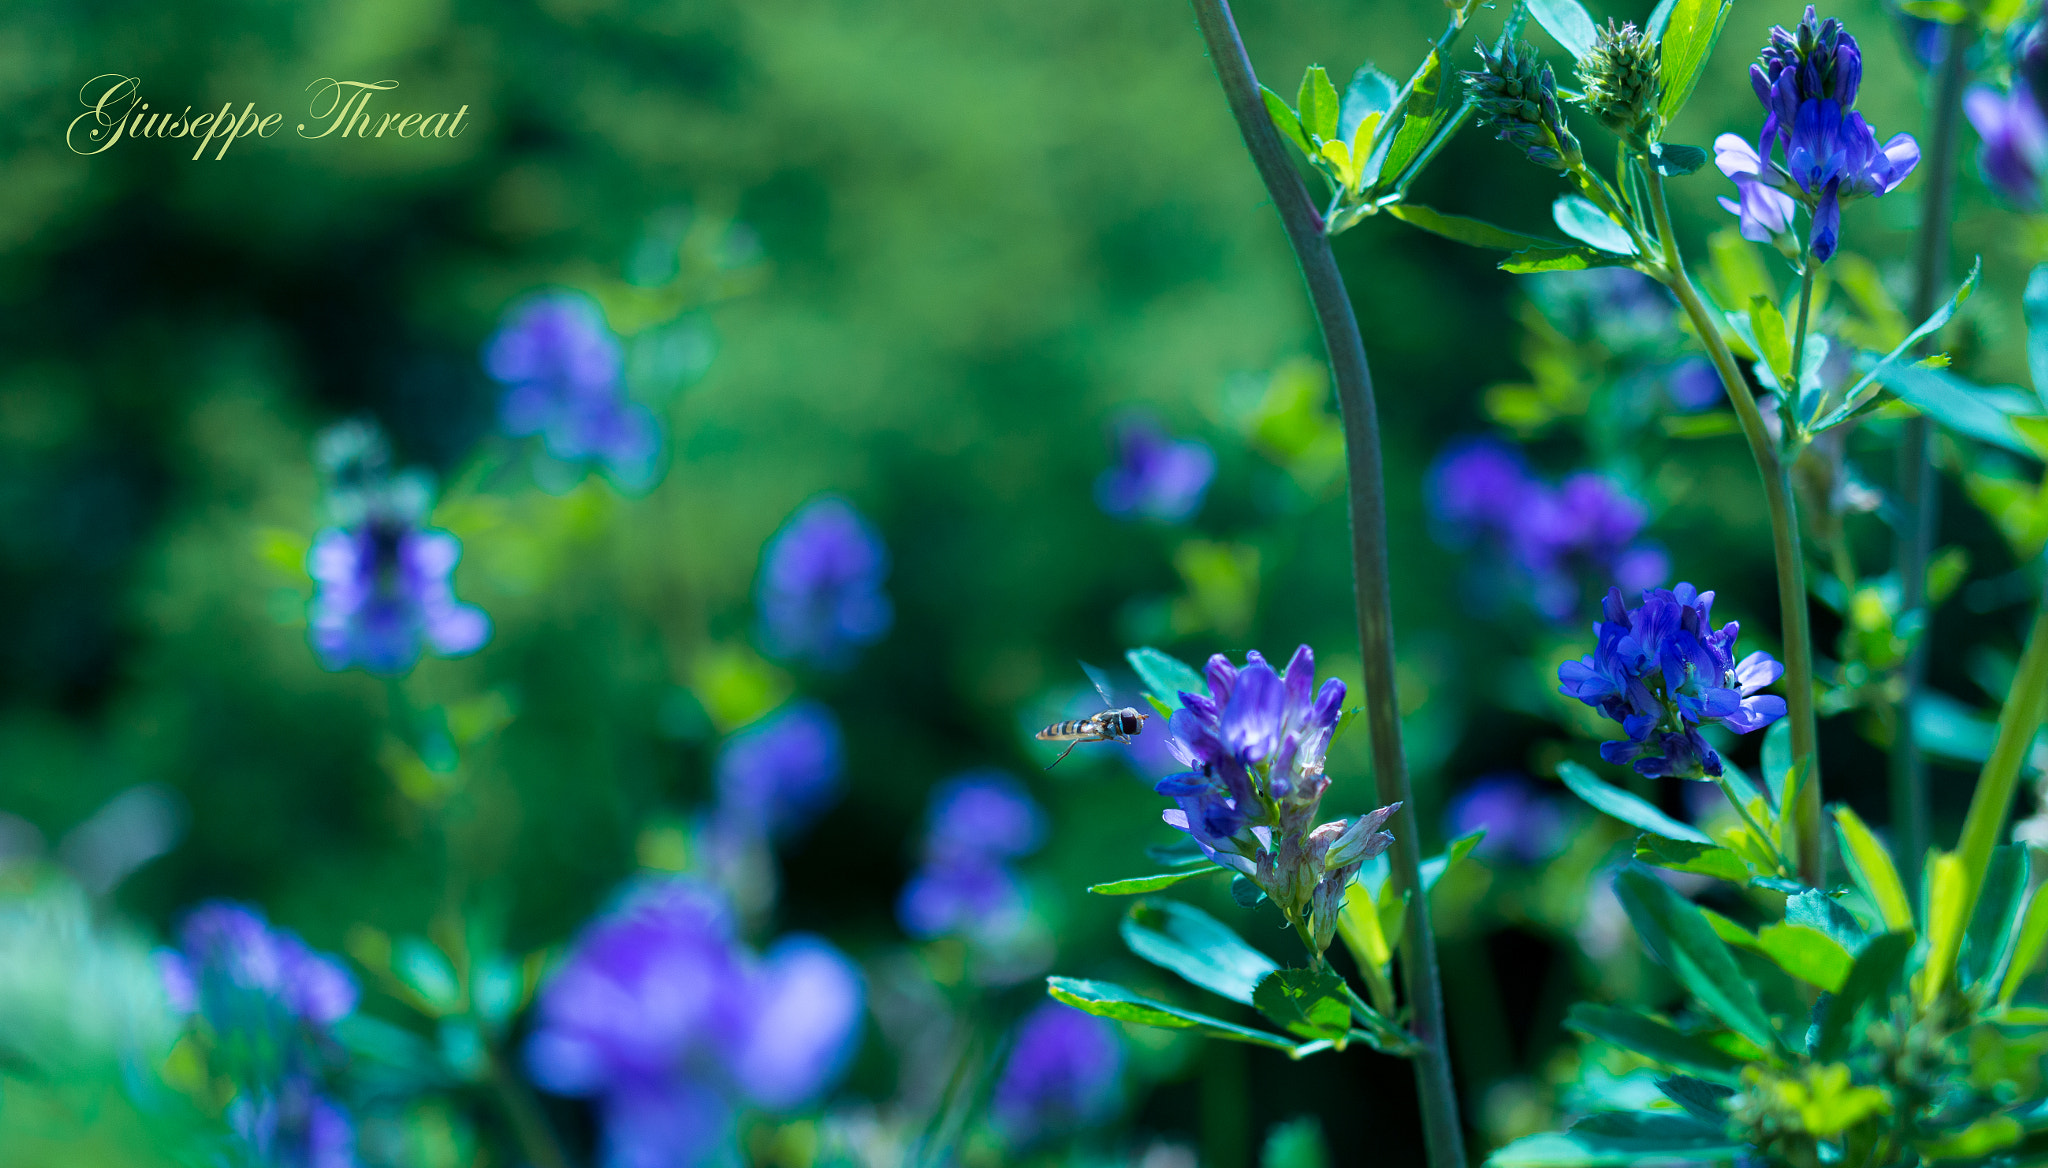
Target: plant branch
<point x="1441" y="1127"/>
<point x="2018" y="721"/>
<point x="1918" y="491"/>
<point x="529" y="1126"/>
<point x="1777" y="479"/>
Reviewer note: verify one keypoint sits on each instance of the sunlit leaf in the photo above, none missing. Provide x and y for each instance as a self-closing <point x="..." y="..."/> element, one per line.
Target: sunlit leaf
<point x="1370" y="92"/>
<point x="1807" y="954"/>
<point x="1109" y="1000"/>
<point x="1306" y="1002"/>
<point x="1680" y="936"/>
<point x="1626" y="807"/>
<point x="1318" y="104"/>
<point x="1870" y="866"/>
<point x="1568" y="23"/>
<point x="1687" y="856"/>
<point x="1137" y="884"/>
<point x="1476" y="232"/>
<point x="1562" y="259"/>
<point x="1611" y="1139"/>
<point x="1285" y="120"/>
<point x="1947" y="895"/>
<point x="1654" y="1039"/>
<point x="1165" y="675"/>
<point x="1688" y="39"/>
<point x="1197" y="946"/>
<point x="1580" y="218"/>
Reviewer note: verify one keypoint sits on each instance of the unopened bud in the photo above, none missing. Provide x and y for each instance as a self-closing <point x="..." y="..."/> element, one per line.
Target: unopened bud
<point x="1621" y="79"/>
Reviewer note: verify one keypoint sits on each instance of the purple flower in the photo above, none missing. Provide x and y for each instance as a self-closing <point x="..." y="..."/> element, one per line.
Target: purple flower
<point x="381" y="577"/>
<point x="1155" y="476"/>
<point x="1545" y="540"/>
<point x="1806" y="80"/>
<point x="270" y="1004"/>
<point x="820" y="594"/>
<point x="1765" y="212"/>
<point x="1063" y="1074"/>
<point x="778" y="775"/>
<point x="662" y="1015"/>
<point x="1254" y="747"/>
<point x="2015" y="151"/>
<point x="1693" y="385"/>
<point x="562" y="371"/>
<point x="1663" y="671"/>
<point x="1521" y="822"/>
<point x="979" y="822"/>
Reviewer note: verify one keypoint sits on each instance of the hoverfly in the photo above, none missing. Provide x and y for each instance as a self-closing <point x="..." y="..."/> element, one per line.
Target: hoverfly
<point x="1111" y="725"/>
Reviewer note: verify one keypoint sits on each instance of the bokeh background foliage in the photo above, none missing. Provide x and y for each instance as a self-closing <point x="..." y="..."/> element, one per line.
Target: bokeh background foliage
<point x="948" y="245"/>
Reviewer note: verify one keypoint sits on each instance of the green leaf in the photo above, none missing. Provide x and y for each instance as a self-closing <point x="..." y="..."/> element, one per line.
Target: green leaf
<point x="1137" y="884"/>
<point x="1197" y="946"/>
<point x="1419" y="117"/>
<point x="1767" y="329"/>
<point x="1947" y="894"/>
<point x="425" y="971"/>
<point x="1476" y="232"/>
<point x="1687" y="856"/>
<point x="1583" y="220"/>
<point x="1992" y="921"/>
<point x="1682" y="939"/>
<point x="1561" y="259"/>
<point x="1706" y="1102"/>
<point x="1567" y="22"/>
<point x="2026" y="949"/>
<point x="1306" y="1002"/>
<point x="1673" y="160"/>
<point x="1954" y="403"/>
<point x="1660" y="20"/>
<point x="1807" y="954"/>
<point x="1869" y="980"/>
<point x="1611" y="1139"/>
<point x="1318" y="104"/>
<point x="1298" y="1143"/>
<point x="1109" y="1000"/>
<point x="1454" y="853"/>
<point x="1285" y="121"/>
<point x="1654" y="1039"/>
<point x="1624" y="806"/>
<point x="2035" y="302"/>
<point x="1165" y="676"/>
<point x="1974" y="1142"/>
<point x="1870" y="866"/>
<point x="1818" y="910"/>
<point x="1688" y="39"/>
<point x="1370" y="92"/>
<point x="1856" y="397"/>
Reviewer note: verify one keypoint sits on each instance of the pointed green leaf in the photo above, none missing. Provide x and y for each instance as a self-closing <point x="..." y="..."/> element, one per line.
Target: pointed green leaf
<point x="1370" y="92"/>
<point x="1562" y="259"/>
<point x="1706" y="1102"/>
<point x="1613" y="1139"/>
<point x="1947" y="897"/>
<point x="1578" y="217"/>
<point x="1974" y="1142"/>
<point x="1109" y="1000"/>
<point x="1476" y="232"/>
<point x="1654" y="1039"/>
<point x="1137" y="884"/>
<point x="1165" y="676"/>
<point x="1624" y="806"/>
<point x="1954" y="403"/>
<point x="1681" y="938"/>
<point x="1777" y="758"/>
<point x="1869" y="980"/>
<point x="1818" y="910"/>
<point x="1305" y="1002"/>
<point x="1673" y="160"/>
<point x="1991" y="922"/>
<point x="1318" y="104"/>
<point x="1419" y="117"/>
<point x="1767" y="326"/>
<point x="1870" y="866"/>
<point x="1454" y="853"/>
<point x="1807" y="954"/>
<point x="1863" y="391"/>
<point x="1567" y="22"/>
<point x="1686" y="856"/>
<point x="1197" y="946"/>
<point x="1285" y="120"/>
<point x="2026" y="948"/>
<point x="1660" y="20"/>
<point x="1688" y="39"/>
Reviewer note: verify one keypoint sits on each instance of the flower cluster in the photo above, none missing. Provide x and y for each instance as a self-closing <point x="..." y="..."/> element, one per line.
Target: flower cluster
<point x="1254" y="745"/>
<point x="1156" y="476"/>
<point x="819" y="594"/>
<point x="1062" y="1074"/>
<point x="1517" y="96"/>
<point x="672" y="1024"/>
<point x="777" y="776"/>
<point x="1546" y="541"/>
<point x="1663" y="671"/>
<point x="380" y="575"/>
<point x="562" y="369"/>
<point x="264" y="1006"/>
<point x="2014" y="125"/>
<point x="1807" y="80"/>
<point x="1621" y="80"/>
<point x="979" y="823"/>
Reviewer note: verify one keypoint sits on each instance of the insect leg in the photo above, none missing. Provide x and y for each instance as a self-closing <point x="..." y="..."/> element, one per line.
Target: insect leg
<point x="1064" y="753"/>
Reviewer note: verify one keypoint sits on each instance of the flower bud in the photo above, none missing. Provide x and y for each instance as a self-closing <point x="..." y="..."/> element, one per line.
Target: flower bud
<point x="1517" y="95"/>
<point x="1621" y="79"/>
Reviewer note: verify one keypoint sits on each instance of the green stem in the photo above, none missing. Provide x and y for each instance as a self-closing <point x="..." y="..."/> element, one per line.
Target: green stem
<point x="1755" y="828"/>
<point x="1791" y="563"/>
<point x="1442" y="1130"/>
<point x="529" y="1127"/>
<point x="1789" y="395"/>
<point x="1918" y="490"/>
<point x="2018" y="721"/>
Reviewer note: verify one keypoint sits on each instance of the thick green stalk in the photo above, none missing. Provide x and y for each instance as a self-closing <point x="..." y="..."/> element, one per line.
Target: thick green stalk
<point x="1918" y="492"/>
<point x="1441" y="1127"/>
<point x="2018" y="721"/>
<point x="529" y="1127"/>
<point x="1777" y="477"/>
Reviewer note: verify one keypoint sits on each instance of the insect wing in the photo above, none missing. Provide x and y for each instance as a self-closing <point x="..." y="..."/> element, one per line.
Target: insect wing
<point x="1101" y="685"/>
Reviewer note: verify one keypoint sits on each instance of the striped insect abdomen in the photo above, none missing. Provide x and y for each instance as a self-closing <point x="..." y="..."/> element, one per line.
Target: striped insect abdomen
<point x="1079" y="728"/>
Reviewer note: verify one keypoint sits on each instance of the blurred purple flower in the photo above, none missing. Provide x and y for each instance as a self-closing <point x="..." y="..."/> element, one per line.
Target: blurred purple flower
<point x="562" y="371"/>
<point x="1063" y="1074"/>
<point x="819" y="594"/>
<point x="979" y="821"/>
<point x="1549" y="541"/>
<point x="270" y="1003"/>
<point x="1693" y="385"/>
<point x="1522" y="823"/>
<point x="1662" y="670"/>
<point x="983" y="813"/>
<point x="2015" y="151"/>
<point x="662" y="1015"/>
<point x="1155" y="476"/>
<point x="777" y="776"/>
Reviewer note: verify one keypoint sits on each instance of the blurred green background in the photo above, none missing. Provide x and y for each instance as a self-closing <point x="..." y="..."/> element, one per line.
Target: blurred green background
<point x="954" y="241"/>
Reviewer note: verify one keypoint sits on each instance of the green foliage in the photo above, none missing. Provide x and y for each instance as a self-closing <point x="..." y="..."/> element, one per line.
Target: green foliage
<point x="1688" y="38"/>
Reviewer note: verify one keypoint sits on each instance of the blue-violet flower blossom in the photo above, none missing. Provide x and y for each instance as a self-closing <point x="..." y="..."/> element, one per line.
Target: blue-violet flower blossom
<point x="778" y="775"/>
<point x="563" y="373"/>
<point x="979" y="822"/>
<point x="1663" y="671"/>
<point x="1156" y="476"/>
<point x="1063" y="1074"/>
<point x="1522" y="823"/>
<point x="819" y="594"/>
